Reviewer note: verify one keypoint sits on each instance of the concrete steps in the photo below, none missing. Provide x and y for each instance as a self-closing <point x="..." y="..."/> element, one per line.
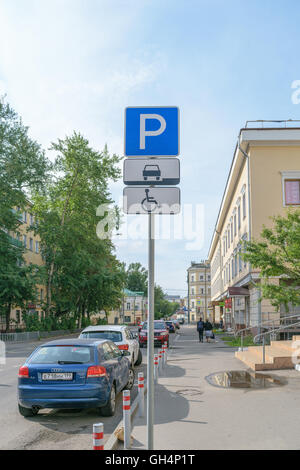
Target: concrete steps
<point x="277" y="356"/>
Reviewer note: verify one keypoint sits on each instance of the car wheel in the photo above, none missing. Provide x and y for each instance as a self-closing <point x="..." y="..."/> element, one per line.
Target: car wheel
<point x="130" y="382"/>
<point x="139" y="359"/>
<point x="110" y="407"/>
<point x="28" y="412"/>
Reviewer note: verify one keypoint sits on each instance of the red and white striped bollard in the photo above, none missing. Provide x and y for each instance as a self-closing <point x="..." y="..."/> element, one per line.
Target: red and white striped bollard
<point x="98" y="441"/>
<point x="141" y="394"/>
<point x="126" y="418"/>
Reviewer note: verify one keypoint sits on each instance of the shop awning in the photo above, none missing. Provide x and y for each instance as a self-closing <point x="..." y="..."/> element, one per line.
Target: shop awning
<point x="237" y="292"/>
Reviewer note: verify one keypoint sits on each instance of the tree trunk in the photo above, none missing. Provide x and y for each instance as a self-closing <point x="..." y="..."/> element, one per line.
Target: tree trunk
<point x="62" y="222"/>
<point x="7" y="318"/>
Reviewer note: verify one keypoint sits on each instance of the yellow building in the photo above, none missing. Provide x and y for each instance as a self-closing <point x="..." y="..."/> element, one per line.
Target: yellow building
<point x="264" y="179"/>
<point x="133" y="309"/>
<point x="32" y="255"/>
<point x="199" y="290"/>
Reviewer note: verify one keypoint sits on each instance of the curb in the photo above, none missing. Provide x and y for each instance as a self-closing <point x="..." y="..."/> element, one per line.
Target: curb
<point x="113" y="441"/>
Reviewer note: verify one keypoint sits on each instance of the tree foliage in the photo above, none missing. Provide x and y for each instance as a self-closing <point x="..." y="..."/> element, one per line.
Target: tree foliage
<point x="137" y="278"/>
<point x="23" y="168"/>
<point x="82" y="272"/>
<point x="277" y="254"/>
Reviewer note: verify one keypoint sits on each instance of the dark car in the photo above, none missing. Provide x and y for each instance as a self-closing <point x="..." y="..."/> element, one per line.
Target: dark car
<point x="171" y="326"/>
<point x="74" y="373"/>
<point x="151" y="171"/>
<point x="161" y="334"/>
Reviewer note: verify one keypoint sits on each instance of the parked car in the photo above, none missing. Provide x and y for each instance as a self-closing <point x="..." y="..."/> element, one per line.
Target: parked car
<point x="171" y="326"/>
<point x="161" y="334"/>
<point x="74" y="373"/>
<point x="181" y="321"/>
<point x="121" y="335"/>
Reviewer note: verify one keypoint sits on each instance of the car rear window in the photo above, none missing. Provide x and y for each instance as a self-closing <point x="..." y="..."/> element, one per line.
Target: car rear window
<point x="114" y="336"/>
<point x="62" y="354"/>
<point x="157" y="326"/>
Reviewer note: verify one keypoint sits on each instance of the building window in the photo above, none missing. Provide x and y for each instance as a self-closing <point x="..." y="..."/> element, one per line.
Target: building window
<point x="201" y="277"/>
<point x="192" y="278"/>
<point x="31" y="219"/>
<point x="228" y="238"/>
<point x="231" y="232"/>
<point x="234" y="224"/>
<point x="25" y="240"/>
<point x="193" y="291"/>
<point x="30" y="244"/>
<point x="240" y="261"/>
<point x="25" y="217"/>
<point x="18" y="316"/>
<point x="244" y="205"/>
<point x="37" y="247"/>
<point x="235" y="265"/>
<point x="128" y="306"/>
<point x="292" y="192"/>
<point x="239" y="216"/>
<point x="127" y="319"/>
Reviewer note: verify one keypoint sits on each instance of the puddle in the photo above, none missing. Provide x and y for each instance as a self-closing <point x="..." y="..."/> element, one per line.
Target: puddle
<point x="244" y="379"/>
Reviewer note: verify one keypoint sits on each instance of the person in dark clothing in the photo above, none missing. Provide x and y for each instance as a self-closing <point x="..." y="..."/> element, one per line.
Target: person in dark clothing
<point x="208" y="330"/>
<point x="200" y="328"/>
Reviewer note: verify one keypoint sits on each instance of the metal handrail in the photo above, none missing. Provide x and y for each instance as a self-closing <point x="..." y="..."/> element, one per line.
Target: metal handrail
<point x="237" y="333"/>
<point x="269" y="333"/>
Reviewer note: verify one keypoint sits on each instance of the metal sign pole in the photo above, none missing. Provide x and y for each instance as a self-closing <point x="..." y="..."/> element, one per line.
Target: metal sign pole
<point x="150" y="322"/>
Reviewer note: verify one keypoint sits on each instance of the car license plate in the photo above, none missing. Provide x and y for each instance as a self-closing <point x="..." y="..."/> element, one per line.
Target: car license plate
<point x="57" y="376"/>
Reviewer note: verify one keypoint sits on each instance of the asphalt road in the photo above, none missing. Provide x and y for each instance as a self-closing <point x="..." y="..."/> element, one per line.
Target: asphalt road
<point x="50" y="429"/>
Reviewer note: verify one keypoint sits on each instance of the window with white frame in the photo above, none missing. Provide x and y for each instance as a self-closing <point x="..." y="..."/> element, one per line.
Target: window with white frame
<point x="291" y="188"/>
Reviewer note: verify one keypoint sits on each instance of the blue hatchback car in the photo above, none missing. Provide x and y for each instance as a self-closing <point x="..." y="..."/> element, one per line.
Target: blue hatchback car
<point x="74" y="373"/>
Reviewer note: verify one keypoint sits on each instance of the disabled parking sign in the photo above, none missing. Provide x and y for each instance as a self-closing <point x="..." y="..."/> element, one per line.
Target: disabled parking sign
<point x="151" y="131"/>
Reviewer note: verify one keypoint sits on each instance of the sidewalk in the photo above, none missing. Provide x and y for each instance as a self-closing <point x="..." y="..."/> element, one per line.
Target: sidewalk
<point x="192" y="414"/>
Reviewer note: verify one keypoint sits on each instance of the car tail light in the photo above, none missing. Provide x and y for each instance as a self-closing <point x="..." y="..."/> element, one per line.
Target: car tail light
<point x="123" y="347"/>
<point x="24" y="372"/>
<point x="96" y="371"/>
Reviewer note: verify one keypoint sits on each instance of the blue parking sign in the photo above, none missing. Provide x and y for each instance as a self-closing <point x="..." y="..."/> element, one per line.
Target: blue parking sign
<point x="152" y="131"/>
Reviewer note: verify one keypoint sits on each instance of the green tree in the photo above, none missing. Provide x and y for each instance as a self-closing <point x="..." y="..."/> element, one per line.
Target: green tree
<point x="23" y="166"/>
<point x="278" y="254"/>
<point x="17" y="280"/>
<point x="23" y="169"/>
<point x="137" y="278"/>
<point x="82" y="273"/>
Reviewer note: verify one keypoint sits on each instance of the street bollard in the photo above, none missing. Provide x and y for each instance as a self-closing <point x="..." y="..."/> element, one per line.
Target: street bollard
<point x="166" y="353"/>
<point x="126" y="418"/>
<point x="141" y="394"/>
<point x="155" y="369"/>
<point x="159" y="361"/>
<point x="98" y="436"/>
<point x="162" y="357"/>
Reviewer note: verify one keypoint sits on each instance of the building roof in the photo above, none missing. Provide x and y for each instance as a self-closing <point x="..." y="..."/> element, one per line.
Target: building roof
<point x="254" y="136"/>
<point x="131" y="293"/>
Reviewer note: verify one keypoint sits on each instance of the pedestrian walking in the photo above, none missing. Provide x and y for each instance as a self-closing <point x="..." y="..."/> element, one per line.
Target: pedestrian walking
<point x="208" y="330"/>
<point x="200" y="328"/>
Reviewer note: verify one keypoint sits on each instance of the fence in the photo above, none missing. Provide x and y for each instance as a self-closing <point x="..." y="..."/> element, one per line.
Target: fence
<point x="34" y="335"/>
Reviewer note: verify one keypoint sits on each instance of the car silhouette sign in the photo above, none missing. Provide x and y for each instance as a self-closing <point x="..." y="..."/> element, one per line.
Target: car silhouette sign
<point x="153" y="171"/>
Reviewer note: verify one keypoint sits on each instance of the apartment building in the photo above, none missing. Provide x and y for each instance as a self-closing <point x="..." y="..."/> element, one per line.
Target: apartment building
<point x="263" y="181"/>
<point x="32" y="255"/>
<point x="133" y="309"/>
<point x="199" y="290"/>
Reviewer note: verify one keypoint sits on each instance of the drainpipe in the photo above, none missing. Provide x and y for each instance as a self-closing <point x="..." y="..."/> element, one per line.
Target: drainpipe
<point x="250" y="220"/>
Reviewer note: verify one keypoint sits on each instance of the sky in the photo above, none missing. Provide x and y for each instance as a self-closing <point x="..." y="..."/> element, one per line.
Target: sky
<point x="77" y="64"/>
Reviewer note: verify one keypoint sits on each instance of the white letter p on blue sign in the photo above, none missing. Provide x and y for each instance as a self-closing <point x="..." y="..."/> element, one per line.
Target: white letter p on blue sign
<point x="144" y="133"/>
<point x="152" y="131"/>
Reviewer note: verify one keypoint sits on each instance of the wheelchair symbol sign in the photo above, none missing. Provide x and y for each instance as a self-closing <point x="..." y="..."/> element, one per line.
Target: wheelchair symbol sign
<point x="144" y="200"/>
